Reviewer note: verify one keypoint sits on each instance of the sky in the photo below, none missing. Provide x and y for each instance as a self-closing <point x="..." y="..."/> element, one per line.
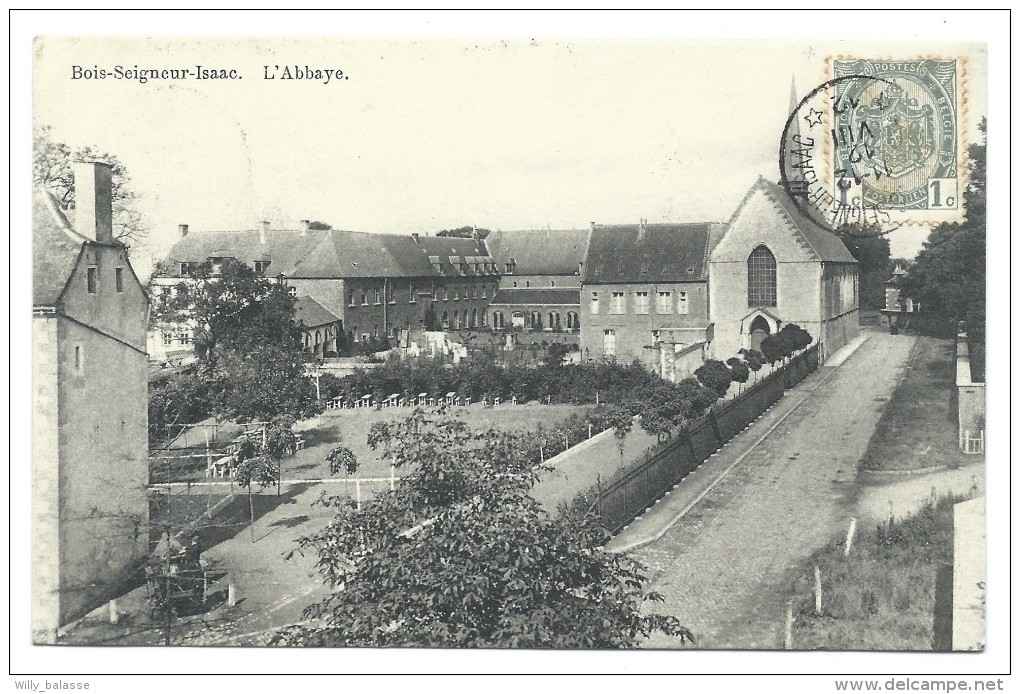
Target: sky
<point x="426" y="134"/>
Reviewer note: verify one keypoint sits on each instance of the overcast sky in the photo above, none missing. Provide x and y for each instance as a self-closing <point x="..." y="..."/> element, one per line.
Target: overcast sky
<point x="431" y="134"/>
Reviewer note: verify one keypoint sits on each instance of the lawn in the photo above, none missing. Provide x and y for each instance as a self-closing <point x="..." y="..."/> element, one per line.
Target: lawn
<point x="351" y="427"/>
<point x="918" y="427"/>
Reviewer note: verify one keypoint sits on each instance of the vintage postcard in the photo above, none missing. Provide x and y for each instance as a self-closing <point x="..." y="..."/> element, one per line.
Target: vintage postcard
<point x="509" y="344"/>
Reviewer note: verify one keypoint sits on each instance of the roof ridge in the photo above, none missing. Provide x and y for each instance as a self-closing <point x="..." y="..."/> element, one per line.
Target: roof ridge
<point x="789" y="218"/>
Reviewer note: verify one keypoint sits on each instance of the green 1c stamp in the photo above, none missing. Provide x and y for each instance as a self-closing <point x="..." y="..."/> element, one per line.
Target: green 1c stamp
<point x="896" y="138"/>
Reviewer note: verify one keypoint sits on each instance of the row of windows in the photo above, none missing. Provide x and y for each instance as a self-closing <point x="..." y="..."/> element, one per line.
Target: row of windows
<point x="182" y="337"/>
<point x="642" y="302"/>
<point x="474" y="292"/>
<point x="92" y="278"/>
<point x="534" y="320"/>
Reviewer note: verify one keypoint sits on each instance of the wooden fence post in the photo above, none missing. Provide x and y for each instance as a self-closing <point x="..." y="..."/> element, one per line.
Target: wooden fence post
<point x="818" y="591"/>
<point x="788" y="626"/>
<point x="850" y="536"/>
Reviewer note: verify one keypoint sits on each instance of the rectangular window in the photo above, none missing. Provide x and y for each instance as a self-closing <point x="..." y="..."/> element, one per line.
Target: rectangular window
<point x="681" y="303"/>
<point x="617" y="304"/>
<point x="168" y="339"/>
<point x="456" y="293"/>
<point x="364" y="297"/>
<point x="410" y="294"/>
<point x="260" y="268"/>
<point x="485" y="295"/>
<point x="609" y="343"/>
<point x="185" y="268"/>
<point x="665" y="303"/>
<point x="91" y="278"/>
<point x="378" y="295"/>
<point x="594" y="303"/>
<point x="509" y="269"/>
<point x="292" y="291"/>
<point x="641" y="302"/>
<point x="350" y="298"/>
<point x="77" y="358"/>
<point x="118" y="275"/>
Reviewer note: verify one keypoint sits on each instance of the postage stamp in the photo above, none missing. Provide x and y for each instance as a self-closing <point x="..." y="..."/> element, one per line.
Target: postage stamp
<point x="880" y="143"/>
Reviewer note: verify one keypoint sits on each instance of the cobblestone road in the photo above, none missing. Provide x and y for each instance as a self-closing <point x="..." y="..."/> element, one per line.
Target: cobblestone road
<point x="726" y="567"/>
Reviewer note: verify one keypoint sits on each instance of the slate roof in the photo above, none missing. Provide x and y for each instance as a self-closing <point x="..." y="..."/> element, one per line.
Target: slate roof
<point x="540" y="252"/>
<point x="625" y="253"/>
<point x="335" y="253"/>
<point x="825" y="244"/>
<point x="55" y="250"/>
<point x="312" y="313"/>
<point x="522" y="297"/>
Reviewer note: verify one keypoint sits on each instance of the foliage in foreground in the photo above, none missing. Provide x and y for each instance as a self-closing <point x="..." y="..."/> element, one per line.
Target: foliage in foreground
<point x="460" y="555"/>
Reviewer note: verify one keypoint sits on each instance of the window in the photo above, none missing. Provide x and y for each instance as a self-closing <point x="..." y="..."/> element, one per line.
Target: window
<point x="527" y="283"/>
<point x="350" y="298"/>
<point x="184" y="337"/>
<point x="681" y="303"/>
<point x="617" y="304"/>
<point x="665" y="303"/>
<point x="78" y="363"/>
<point x="761" y="278"/>
<point x="260" y="267"/>
<point x="456" y="320"/>
<point x="456" y="293"/>
<point x="573" y="321"/>
<point x="364" y="297"/>
<point x="485" y="292"/>
<point x="378" y="296"/>
<point x="552" y="283"/>
<point x="536" y="320"/>
<point x="389" y="294"/>
<point x="91" y="278"/>
<point x="410" y="294"/>
<point x="292" y="291"/>
<point x="609" y="343"/>
<point x="118" y="278"/>
<point x="641" y="302"/>
<point x="554" y="321"/>
<point x="168" y="339"/>
<point x="594" y="303"/>
<point x="515" y="285"/>
<point x="474" y="318"/>
<point x="186" y="268"/>
<point x="509" y="268"/>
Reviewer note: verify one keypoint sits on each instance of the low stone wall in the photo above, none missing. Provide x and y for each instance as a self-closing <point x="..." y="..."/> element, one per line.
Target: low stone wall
<point x="970" y="398"/>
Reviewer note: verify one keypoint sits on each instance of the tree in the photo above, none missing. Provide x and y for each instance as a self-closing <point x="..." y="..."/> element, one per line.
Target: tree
<point x="52" y="169"/>
<point x="229" y="305"/>
<point x="948" y="275"/>
<point x="263" y="383"/>
<point x="775" y="348"/>
<point x="460" y="555"/>
<point x="796" y="337"/>
<point x="871" y="251"/>
<point x="342" y="459"/>
<point x="739" y="370"/>
<point x="319" y="226"/>
<point x="464" y="232"/>
<point x="256" y="469"/>
<point x="715" y="375"/>
<point x="753" y="358"/>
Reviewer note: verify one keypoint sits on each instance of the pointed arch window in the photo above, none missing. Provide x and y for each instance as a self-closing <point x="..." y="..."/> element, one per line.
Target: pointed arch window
<point x="761" y="278"/>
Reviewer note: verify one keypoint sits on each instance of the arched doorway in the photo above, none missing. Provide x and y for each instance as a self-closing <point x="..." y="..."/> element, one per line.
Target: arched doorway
<point x="759" y="329"/>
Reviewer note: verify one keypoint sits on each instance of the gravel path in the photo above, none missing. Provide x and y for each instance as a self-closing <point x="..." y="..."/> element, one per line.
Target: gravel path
<point x="724" y="569"/>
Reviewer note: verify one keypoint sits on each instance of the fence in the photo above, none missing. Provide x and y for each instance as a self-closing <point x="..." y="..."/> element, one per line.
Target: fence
<point x="637" y="488"/>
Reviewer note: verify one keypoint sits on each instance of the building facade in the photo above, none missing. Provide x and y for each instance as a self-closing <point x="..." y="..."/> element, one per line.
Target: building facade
<point x="89" y="430"/>
<point x="539" y="288"/>
<point x="376" y="285"/>
<point x="774" y="266"/>
<point x="644" y="292"/>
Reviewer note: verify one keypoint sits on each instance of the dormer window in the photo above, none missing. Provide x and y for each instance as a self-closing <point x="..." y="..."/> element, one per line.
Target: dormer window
<point x="260" y="267"/>
<point x="509" y="268"/>
<point x="186" y="268"/>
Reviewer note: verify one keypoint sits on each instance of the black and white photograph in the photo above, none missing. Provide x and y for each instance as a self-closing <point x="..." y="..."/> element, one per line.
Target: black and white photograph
<point x="404" y="344"/>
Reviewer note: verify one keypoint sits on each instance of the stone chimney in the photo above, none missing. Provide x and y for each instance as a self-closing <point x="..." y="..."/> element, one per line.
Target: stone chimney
<point x="414" y="235"/>
<point x="183" y="229"/>
<point x="263" y="232"/>
<point x="306" y="226"/>
<point x="641" y="230"/>
<point x="593" y="226"/>
<point x="93" y="200"/>
<point x="474" y="231"/>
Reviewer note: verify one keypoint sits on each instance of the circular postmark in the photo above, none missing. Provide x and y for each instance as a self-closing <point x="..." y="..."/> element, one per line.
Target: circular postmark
<point x="875" y="147"/>
<point x="823" y="192"/>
